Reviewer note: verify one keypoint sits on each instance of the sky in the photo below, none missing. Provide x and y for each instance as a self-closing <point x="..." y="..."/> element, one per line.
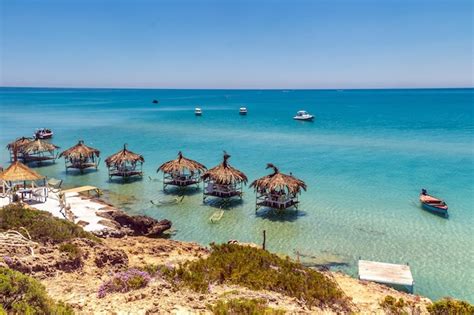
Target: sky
<point x="257" y="44"/>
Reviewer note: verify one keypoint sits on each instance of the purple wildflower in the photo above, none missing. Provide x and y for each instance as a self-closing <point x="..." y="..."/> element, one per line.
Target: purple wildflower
<point x="125" y="281"/>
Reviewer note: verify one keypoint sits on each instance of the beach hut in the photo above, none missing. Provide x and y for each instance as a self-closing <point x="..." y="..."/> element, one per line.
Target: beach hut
<point x="277" y="190"/>
<point x="38" y="151"/>
<point x="15" y="148"/>
<point x="19" y="181"/>
<point x="81" y="157"/>
<point x="223" y="181"/>
<point x="125" y="164"/>
<point x="181" y="172"/>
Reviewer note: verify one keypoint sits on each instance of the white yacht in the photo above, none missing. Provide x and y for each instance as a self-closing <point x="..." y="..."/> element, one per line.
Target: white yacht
<point x="303" y="115"/>
<point x="197" y="111"/>
<point x="243" y="111"/>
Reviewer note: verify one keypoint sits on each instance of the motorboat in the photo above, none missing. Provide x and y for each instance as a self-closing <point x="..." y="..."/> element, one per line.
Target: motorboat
<point x="43" y="133"/>
<point x="243" y="111"/>
<point x="303" y="115"/>
<point x="197" y="111"/>
<point x="155" y="101"/>
<point x="433" y="204"/>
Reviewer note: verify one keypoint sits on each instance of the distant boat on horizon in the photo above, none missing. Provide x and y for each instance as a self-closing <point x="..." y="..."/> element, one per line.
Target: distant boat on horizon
<point x="243" y="111"/>
<point x="198" y="111"/>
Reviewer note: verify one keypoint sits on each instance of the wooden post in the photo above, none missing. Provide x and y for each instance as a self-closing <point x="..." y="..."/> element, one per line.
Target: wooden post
<point x="264" y="239"/>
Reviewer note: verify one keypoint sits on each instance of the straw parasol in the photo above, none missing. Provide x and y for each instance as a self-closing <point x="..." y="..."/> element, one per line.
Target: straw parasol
<point x="18" y="143"/>
<point x="180" y="165"/>
<point x="18" y="172"/>
<point x="224" y="174"/>
<point x="123" y="157"/>
<point x="278" y="181"/>
<point x="38" y="146"/>
<point x="80" y="151"/>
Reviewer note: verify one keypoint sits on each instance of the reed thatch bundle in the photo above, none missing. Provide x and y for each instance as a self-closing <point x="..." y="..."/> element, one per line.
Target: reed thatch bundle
<point x="278" y="181"/>
<point x="38" y="146"/>
<point x="19" y="143"/>
<point x="80" y="151"/>
<point x="124" y="156"/>
<point x="180" y="165"/>
<point x="18" y="172"/>
<point x="224" y="174"/>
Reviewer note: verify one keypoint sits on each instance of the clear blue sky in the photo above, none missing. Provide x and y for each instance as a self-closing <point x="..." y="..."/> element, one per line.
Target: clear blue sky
<point x="237" y="44"/>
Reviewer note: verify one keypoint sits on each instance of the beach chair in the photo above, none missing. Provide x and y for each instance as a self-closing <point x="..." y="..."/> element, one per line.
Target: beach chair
<point x="54" y="185"/>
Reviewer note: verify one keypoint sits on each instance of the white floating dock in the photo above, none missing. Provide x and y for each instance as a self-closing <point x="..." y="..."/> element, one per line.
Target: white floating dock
<point x="385" y="273"/>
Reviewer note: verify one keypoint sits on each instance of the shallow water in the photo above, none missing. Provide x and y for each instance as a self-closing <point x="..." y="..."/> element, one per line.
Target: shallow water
<point x="365" y="158"/>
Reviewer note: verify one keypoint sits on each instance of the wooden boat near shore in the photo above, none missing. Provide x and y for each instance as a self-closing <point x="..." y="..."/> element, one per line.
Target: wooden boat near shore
<point x="433" y="204"/>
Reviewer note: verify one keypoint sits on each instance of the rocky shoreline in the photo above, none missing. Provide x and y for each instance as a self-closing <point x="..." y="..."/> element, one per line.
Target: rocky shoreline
<point x="72" y="271"/>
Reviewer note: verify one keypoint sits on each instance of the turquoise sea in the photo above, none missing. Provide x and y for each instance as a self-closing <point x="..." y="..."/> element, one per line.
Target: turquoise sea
<point x="365" y="159"/>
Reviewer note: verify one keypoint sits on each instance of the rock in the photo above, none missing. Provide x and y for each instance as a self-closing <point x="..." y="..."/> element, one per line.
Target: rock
<point x="82" y="223"/>
<point x="139" y="225"/>
<point x="114" y="258"/>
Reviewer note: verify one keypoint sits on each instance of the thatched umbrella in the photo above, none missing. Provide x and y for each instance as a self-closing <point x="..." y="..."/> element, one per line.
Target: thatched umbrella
<point x="278" y="182"/>
<point x="18" y="143"/>
<point x="277" y="190"/>
<point x="80" y="156"/>
<point x="18" y="173"/>
<point x="225" y="174"/>
<point x="181" y="171"/>
<point x="38" y="150"/>
<point x="223" y="181"/>
<point x="17" y="146"/>
<point x="124" y="163"/>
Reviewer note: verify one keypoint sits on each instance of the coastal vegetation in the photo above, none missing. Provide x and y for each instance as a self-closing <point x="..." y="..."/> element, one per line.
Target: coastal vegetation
<point x="244" y="307"/>
<point x="258" y="269"/>
<point x="41" y="225"/>
<point x="448" y="306"/>
<point x="131" y="279"/>
<point x="21" y="294"/>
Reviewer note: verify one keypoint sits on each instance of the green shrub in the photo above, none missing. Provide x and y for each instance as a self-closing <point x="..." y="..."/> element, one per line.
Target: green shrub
<point x="258" y="269"/>
<point x="244" y="307"/>
<point x="71" y="249"/>
<point x="392" y="306"/>
<point x="41" y="225"/>
<point x="21" y="294"/>
<point x="448" y="306"/>
<point x="151" y="269"/>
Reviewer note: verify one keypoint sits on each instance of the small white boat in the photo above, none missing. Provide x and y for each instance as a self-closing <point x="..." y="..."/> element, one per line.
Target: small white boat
<point x="243" y="111"/>
<point x="197" y="111"/>
<point x="43" y="133"/>
<point x="303" y="115"/>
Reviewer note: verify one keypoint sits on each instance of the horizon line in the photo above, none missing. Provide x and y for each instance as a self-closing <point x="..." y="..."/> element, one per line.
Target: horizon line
<point x="255" y="89"/>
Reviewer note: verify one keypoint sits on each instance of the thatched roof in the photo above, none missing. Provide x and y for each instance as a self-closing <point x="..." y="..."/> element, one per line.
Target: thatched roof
<point x="19" y="143"/>
<point x="124" y="156"/>
<point x="224" y="173"/>
<point x="38" y="145"/>
<point x="18" y="172"/>
<point x="278" y="181"/>
<point x="181" y="164"/>
<point x="80" y="150"/>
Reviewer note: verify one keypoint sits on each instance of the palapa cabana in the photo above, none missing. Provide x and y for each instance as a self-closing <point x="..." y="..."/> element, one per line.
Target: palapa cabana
<point x="223" y="181"/>
<point x="277" y="190"/>
<point x="38" y="151"/>
<point x="15" y="148"/>
<point x="21" y="181"/>
<point x="125" y="164"/>
<point x="81" y="157"/>
<point x="181" y="172"/>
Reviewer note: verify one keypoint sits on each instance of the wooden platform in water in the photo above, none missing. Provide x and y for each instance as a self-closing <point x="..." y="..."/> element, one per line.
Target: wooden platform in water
<point x="385" y="273"/>
<point x="81" y="189"/>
